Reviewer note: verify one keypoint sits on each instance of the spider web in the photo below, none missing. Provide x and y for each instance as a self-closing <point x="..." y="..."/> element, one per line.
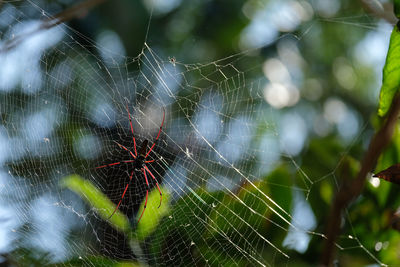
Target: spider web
<point x="228" y="161"/>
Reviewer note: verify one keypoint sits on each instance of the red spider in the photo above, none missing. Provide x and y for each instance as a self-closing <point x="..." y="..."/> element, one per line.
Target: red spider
<point x="139" y="163"/>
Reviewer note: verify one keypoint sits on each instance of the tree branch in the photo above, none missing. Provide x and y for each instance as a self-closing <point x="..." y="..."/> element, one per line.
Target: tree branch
<point x="73" y="12"/>
<point x="350" y="191"/>
<point x="380" y="10"/>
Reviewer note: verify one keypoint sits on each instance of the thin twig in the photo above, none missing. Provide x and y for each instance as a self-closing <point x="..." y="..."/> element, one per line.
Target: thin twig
<point x="380" y="10"/>
<point x="350" y="191"/>
<point x="64" y="16"/>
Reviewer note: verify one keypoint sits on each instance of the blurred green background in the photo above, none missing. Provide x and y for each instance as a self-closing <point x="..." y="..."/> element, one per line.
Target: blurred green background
<point x="270" y="105"/>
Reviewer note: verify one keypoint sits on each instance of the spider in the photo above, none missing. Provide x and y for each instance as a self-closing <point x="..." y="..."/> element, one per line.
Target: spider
<point x="139" y="163"/>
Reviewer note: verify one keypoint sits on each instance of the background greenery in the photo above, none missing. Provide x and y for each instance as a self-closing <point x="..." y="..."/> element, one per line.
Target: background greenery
<point x="333" y="45"/>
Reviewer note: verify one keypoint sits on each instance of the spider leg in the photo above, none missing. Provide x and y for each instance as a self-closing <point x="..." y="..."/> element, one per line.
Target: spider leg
<point x="123" y="194"/>
<point x="154" y="178"/>
<point x="108" y="165"/>
<point x="121" y="146"/>
<point x="158" y="135"/>
<point x="147" y="194"/>
<point x="115" y="163"/>
<point x="130" y="122"/>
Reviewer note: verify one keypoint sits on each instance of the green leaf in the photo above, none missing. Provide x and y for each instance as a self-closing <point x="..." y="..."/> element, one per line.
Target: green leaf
<point x="153" y="214"/>
<point x="96" y="199"/>
<point x="127" y="264"/>
<point x="391" y="73"/>
<point x="188" y="218"/>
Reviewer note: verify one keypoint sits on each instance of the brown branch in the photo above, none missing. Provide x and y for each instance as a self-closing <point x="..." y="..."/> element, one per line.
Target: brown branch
<point x="76" y="11"/>
<point x="380" y="10"/>
<point x="73" y="12"/>
<point x="351" y="190"/>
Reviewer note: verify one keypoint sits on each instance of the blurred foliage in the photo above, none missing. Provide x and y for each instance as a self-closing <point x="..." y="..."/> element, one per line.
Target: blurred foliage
<point x="96" y="199"/>
<point x="204" y="31"/>
<point x="96" y="261"/>
<point x="154" y="212"/>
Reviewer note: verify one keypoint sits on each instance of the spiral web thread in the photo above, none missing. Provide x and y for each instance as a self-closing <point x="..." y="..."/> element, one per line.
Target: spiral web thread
<point x="219" y="143"/>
